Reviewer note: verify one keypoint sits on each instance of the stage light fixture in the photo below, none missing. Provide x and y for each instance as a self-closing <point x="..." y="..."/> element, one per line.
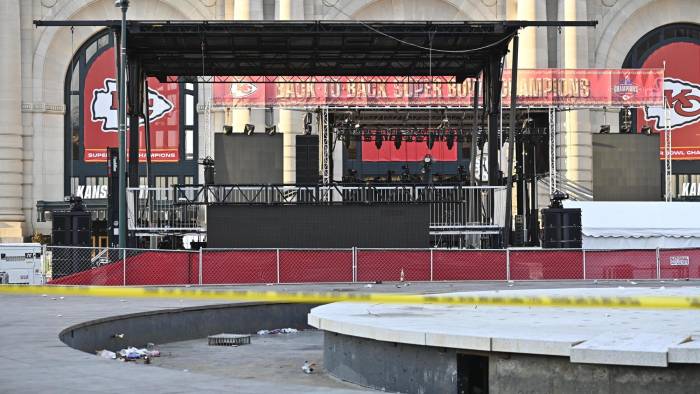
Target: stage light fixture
<point x="271" y="130"/>
<point x="378" y="139"/>
<point x="605" y="129"/>
<point x="308" y="119"/>
<point x="430" y="141"/>
<point x="248" y="129"/>
<point x="405" y="174"/>
<point x="646" y="130"/>
<point x="427" y="163"/>
<point x="397" y="140"/>
<point x="450" y="139"/>
<point x="228" y="130"/>
<point x="462" y="171"/>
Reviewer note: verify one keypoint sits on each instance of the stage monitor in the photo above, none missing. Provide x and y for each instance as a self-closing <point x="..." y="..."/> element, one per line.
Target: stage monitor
<point x="248" y="159"/>
<point x="626" y="167"/>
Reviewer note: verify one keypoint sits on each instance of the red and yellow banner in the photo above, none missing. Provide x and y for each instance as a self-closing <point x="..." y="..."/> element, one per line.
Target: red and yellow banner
<point x="536" y="87"/>
<point x="100" y="123"/>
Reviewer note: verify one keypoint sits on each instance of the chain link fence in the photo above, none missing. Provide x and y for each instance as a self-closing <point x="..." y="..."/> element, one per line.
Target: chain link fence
<point x="545" y="264"/>
<point x="621" y="264"/>
<point x="145" y="267"/>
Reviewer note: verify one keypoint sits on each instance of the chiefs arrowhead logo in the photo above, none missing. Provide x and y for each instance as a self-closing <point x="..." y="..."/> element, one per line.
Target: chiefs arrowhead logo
<point x="240" y="90"/>
<point x="103" y="107"/>
<point x="683" y="98"/>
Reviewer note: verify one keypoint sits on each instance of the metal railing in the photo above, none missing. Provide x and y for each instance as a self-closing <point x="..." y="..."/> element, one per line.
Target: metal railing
<point x="156" y="209"/>
<point x="459" y="214"/>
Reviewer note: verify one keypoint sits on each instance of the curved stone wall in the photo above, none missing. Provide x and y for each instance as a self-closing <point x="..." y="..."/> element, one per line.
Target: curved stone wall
<point x="181" y="324"/>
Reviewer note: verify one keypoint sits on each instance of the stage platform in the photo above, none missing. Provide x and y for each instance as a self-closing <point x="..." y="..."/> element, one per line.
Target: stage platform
<point x="521" y="348"/>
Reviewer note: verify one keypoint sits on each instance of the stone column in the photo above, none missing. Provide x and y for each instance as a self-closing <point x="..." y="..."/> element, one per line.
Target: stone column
<point x="288" y="120"/>
<point x="11" y="215"/>
<point x="238" y="10"/>
<point x="575" y="142"/>
<point x="532" y="51"/>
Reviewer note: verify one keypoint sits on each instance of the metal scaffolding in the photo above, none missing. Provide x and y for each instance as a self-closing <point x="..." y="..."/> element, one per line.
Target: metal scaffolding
<point x="552" y="139"/>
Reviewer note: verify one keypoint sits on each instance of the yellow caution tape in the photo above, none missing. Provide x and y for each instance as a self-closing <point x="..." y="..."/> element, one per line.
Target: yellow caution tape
<point x="652" y="302"/>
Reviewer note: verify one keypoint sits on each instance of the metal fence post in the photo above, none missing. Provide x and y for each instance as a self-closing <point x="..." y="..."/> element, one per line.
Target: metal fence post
<point x="201" y="252"/>
<point x="354" y="264"/>
<point x="123" y="267"/>
<point x="507" y="264"/>
<point x="278" y="265"/>
<point x="584" y="263"/>
<point x="44" y="265"/>
<point x="431" y="264"/>
<point x="658" y="264"/>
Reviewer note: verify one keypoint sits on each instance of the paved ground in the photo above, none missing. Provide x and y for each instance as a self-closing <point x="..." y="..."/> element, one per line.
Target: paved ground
<point x="33" y="359"/>
<point x="274" y="359"/>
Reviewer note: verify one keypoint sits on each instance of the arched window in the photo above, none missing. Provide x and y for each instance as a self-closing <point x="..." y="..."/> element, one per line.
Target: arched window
<point x="678" y="47"/>
<point x="91" y="122"/>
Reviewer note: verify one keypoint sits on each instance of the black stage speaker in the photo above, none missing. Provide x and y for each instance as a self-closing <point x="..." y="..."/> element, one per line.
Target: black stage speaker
<point x="562" y="228"/>
<point x="307" y="159"/>
<point x="70" y="228"/>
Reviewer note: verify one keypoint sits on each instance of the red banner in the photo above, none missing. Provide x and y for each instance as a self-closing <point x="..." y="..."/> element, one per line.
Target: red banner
<point x="100" y="105"/>
<point x="536" y="87"/>
<point x="682" y="92"/>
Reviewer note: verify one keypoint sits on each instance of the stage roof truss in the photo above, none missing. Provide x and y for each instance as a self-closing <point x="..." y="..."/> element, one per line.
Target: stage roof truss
<point x="461" y="49"/>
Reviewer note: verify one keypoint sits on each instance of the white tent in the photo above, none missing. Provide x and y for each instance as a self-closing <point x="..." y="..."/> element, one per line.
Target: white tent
<point x="638" y="224"/>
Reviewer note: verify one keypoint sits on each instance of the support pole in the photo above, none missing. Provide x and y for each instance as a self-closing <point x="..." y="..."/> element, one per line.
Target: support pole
<point x="511" y="141"/>
<point x="147" y="134"/>
<point x="668" y="160"/>
<point x="150" y="194"/>
<point x="135" y="95"/>
<point x="552" y="141"/>
<point x="494" y="103"/>
<point x="121" y="89"/>
<point x="475" y="135"/>
<point x="533" y="221"/>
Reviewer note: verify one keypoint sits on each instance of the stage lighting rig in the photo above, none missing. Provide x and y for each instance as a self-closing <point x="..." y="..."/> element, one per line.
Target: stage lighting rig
<point x="271" y="130"/>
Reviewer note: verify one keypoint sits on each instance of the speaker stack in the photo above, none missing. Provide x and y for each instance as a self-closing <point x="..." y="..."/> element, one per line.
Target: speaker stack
<point x="71" y="228"/>
<point x="562" y="228"/>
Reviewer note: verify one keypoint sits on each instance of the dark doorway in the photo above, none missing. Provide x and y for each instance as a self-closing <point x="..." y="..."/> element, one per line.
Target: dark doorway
<point x="472" y="374"/>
